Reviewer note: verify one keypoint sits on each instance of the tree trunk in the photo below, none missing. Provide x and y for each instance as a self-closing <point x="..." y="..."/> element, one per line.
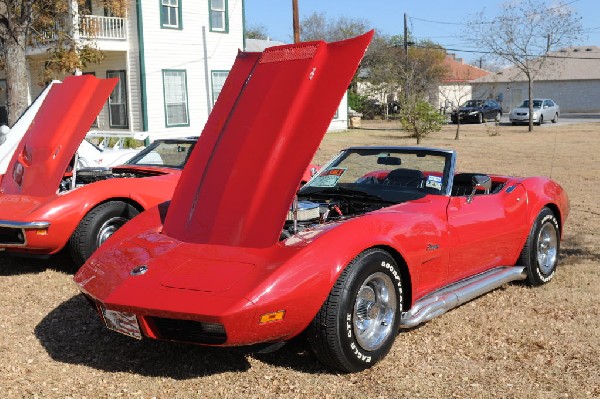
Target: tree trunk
<point x="530" y="87"/>
<point x="457" y="126"/>
<point x="17" y="89"/>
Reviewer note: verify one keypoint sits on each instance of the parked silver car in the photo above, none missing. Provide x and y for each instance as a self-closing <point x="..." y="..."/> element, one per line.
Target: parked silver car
<point x="544" y="109"/>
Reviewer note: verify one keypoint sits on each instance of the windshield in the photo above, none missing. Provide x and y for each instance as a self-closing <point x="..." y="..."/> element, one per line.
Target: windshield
<point x="473" y="103"/>
<point x="167" y="153"/>
<point x="385" y="173"/>
<point x="536" y="104"/>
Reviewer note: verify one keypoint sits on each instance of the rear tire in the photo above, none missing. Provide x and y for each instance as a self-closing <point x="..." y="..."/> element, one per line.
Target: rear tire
<point x="541" y="251"/>
<point x="99" y="224"/>
<point x="357" y="324"/>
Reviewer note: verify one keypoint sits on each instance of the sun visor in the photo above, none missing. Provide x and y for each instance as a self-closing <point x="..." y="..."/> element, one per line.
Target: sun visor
<point x="267" y="124"/>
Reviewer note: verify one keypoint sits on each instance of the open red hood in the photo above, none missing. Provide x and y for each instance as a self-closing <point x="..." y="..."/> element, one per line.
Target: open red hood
<point x="61" y="123"/>
<point x="272" y="113"/>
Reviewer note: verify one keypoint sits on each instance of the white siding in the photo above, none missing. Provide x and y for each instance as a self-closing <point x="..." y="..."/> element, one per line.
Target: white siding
<point x="183" y="49"/>
<point x="340" y="121"/>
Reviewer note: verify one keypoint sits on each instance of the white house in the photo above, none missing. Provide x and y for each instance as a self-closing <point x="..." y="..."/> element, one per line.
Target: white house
<point x="171" y="58"/>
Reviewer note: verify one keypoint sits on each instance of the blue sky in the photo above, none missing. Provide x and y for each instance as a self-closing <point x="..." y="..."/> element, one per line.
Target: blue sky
<point x="440" y="21"/>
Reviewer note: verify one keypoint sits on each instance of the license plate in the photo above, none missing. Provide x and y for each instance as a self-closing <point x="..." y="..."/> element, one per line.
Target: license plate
<point x="121" y="322"/>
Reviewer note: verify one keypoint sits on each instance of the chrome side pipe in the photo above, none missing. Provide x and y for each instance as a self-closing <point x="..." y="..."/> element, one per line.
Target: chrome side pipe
<point x="449" y="297"/>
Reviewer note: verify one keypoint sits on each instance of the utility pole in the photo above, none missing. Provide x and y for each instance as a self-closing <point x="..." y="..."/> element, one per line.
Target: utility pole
<point x="296" y="21"/>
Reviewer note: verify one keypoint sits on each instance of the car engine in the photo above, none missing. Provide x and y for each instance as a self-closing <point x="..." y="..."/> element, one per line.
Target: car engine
<point x="87" y="176"/>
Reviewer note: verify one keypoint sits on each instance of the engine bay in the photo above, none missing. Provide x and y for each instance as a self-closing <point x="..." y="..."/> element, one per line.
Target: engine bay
<point x="87" y="176"/>
<point x="307" y="212"/>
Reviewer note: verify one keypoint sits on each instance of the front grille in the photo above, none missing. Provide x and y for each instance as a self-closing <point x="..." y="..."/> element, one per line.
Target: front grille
<point x="188" y="331"/>
<point x="12" y="236"/>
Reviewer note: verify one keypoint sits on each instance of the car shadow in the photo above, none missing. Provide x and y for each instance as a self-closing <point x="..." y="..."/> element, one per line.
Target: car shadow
<point x="11" y="265"/>
<point x="572" y="249"/>
<point x="73" y="333"/>
<point x="295" y="355"/>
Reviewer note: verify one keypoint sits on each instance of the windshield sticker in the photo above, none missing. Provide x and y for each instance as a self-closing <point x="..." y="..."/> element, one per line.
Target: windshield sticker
<point x="328" y="178"/>
<point x="434" y="182"/>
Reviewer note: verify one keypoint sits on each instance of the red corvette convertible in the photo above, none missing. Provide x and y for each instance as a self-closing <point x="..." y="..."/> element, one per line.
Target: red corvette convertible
<point x="47" y="204"/>
<point x="380" y="239"/>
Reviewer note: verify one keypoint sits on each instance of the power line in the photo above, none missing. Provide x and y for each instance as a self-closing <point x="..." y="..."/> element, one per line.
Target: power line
<point x="521" y="55"/>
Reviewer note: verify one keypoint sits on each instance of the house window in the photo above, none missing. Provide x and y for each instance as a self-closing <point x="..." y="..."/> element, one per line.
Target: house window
<point x="170" y="14"/>
<point x="218" y="80"/>
<point x="218" y="16"/>
<point x="176" y="98"/>
<point x="117" y="102"/>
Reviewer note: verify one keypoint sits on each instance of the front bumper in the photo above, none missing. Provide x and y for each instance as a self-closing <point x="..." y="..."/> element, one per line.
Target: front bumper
<point x="13" y="234"/>
<point x="465" y="117"/>
<point x="522" y="118"/>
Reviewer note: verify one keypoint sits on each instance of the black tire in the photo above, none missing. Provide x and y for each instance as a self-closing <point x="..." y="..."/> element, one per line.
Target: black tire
<point x="96" y="227"/>
<point x="367" y="296"/>
<point x="542" y="248"/>
<point x="555" y="119"/>
<point x="514" y="123"/>
<point x="480" y="118"/>
<point x="541" y="121"/>
<point x="498" y="116"/>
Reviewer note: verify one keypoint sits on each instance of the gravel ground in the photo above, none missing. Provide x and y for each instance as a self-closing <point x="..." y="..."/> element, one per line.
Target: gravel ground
<point x="515" y="342"/>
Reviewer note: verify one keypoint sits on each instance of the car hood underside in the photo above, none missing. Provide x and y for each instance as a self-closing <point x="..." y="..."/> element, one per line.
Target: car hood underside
<point x="271" y="116"/>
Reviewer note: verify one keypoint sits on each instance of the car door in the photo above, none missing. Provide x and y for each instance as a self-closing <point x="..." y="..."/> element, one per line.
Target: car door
<point x="490" y="110"/>
<point x="485" y="232"/>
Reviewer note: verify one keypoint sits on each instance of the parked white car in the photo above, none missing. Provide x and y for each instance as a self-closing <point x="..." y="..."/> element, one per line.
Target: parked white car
<point x="544" y="109"/>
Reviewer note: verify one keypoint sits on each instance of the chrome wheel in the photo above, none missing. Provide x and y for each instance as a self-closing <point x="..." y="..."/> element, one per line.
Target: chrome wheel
<point x="108" y="228"/>
<point x="547" y="248"/>
<point x="374" y="311"/>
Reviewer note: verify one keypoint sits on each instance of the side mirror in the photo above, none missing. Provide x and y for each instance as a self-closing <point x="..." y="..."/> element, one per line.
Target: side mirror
<point x="481" y="183"/>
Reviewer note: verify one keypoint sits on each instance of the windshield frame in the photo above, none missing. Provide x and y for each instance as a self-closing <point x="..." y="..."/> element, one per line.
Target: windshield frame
<point x="394" y="195"/>
<point x="155" y="144"/>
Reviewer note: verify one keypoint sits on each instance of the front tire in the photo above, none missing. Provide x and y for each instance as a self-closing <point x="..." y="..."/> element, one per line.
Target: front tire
<point x="357" y="324"/>
<point x="541" y="250"/>
<point x="95" y="228"/>
<point x="555" y="119"/>
<point x="541" y="121"/>
<point x="498" y="117"/>
<point x="480" y="118"/>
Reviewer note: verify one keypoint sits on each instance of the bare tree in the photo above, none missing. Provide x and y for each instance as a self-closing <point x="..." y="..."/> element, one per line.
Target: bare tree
<point x="523" y="33"/>
<point x="45" y="23"/>
<point x="258" y="31"/>
<point x="317" y="26"/>
<point x="454" y="90"/>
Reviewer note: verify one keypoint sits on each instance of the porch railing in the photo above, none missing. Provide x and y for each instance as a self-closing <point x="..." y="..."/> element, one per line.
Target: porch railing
<point x="100" y="27"/>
